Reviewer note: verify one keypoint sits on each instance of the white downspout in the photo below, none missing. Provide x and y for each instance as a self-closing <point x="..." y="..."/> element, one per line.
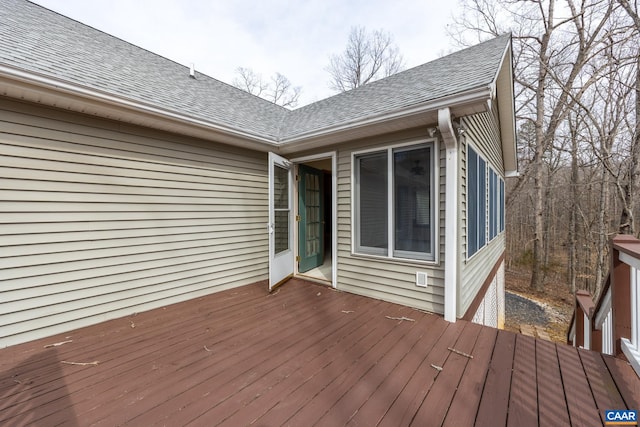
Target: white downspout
<point x="451" y="249"/>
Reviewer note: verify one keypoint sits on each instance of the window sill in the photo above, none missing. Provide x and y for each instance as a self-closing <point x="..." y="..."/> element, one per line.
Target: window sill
<point x="396" y="261"/>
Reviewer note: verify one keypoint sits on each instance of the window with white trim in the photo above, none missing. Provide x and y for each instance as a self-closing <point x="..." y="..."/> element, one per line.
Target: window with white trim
<point x="485" y="203"/>
<point x="394" y="202"/>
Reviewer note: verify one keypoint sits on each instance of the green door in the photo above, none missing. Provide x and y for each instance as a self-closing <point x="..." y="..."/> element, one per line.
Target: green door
<point x="311" y="225"/>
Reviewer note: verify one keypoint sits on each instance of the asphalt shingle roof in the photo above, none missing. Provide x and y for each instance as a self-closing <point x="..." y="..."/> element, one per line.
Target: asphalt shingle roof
<point x="35" y="39"/>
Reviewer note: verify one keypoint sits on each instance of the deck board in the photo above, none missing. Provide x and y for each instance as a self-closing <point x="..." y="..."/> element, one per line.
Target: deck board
<point x="436" y="404"/>
<point x="623" y="375"/>
<point x="582" y="407"/>
<point x="553" y="411"/>
<point x="465" y="403"/>
<point x="494" y="403"/>
<point x="305" y="355"/>
<point x="523" y="401"/>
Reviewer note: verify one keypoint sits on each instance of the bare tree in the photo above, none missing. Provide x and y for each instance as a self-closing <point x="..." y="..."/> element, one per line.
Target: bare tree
<point x="632" y="184"/>
<point x="367" y="57"/>
<point x="550" y="53"/>
<point x="278" y="89"/>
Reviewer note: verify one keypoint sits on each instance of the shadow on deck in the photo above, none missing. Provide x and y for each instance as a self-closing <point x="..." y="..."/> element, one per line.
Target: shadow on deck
<point x="305" y="355"/>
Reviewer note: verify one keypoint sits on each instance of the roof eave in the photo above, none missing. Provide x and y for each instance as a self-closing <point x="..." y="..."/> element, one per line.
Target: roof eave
<point x="45" y="90"/>
<point x="461" y="104"/>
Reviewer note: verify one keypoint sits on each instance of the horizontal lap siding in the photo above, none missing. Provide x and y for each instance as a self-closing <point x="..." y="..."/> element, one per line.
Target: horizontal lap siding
<point x="482" y="132"/>
<point x="388" y="280"/>
<point x="100" y="219"/>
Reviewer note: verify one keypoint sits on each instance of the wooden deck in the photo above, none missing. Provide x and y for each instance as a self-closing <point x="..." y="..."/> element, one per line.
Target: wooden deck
<point x="306" y="355"/>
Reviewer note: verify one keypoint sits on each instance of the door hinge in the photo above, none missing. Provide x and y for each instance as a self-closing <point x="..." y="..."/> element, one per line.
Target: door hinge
<point x="297" y="258"/>
<point x="297" y="178"/>
<point x="297" y="217"/>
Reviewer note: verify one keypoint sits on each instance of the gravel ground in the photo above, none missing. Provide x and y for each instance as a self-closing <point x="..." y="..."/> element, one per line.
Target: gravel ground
<point x="521" y="310"/>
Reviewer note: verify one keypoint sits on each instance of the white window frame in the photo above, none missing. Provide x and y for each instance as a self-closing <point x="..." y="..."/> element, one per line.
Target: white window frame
<point x="433" y="257"/>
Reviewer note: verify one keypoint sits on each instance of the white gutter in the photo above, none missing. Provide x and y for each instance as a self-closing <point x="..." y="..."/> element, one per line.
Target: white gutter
<point x="451" y="216"/>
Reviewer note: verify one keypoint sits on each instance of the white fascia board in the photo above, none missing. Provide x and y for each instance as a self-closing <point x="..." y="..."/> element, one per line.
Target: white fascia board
<point x="503" y="91"/>
<point x="43" y="85"/>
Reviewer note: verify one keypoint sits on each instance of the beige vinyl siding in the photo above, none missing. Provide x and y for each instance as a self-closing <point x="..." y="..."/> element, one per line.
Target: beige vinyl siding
<point x="481" y="131"/>
<point x="100" y="219"/>
<point x="390" y="280"/>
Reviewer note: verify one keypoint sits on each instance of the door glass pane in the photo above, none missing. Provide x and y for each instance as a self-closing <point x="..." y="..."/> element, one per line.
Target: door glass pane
<point x="281" y="208"/>
<point x="312" y="212"/>
<point x="372" y="199"/>
<point x="281" y="231"/>
<point x="411" y="180"/>
<point x="280" y="187"/>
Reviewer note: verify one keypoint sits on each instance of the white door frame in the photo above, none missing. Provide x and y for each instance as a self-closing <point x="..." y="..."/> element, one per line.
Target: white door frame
<point x="334" y="210"/>
<point x="281" y="265"/>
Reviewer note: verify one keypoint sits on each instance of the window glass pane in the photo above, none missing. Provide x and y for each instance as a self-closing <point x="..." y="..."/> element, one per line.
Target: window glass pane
<point x="493" y="203"/>
<point x="482" y="202"/>
<point x="412" y="200"/>
<point x="501" y="205"/>
<point x="472" y="202"/>
<point x="371" y="203"/>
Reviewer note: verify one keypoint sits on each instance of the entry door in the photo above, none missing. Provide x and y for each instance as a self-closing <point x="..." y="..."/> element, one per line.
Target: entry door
<point x="280" y="220"/>
<point x="311" y="225"/>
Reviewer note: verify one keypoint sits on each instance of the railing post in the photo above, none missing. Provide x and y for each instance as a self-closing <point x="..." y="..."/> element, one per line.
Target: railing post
<point x="584" y="319"/>
<point x="620" y="293"/>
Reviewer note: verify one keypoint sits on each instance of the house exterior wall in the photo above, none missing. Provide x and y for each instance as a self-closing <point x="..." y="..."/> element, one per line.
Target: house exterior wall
<point x="482" y="132"/>
<point x="100" y="219"/>
<point x="377" y="277"/>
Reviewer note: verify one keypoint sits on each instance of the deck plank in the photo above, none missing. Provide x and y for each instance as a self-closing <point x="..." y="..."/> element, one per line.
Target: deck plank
<point x="602" y="386"/>
<point x="436" y="404"/>
<point x="405" y="407"/>
<point x="582" y="407"/>
<point x="523" y="402"/>
<point x="466" y="401"/>
<point x="363" y="387"/>
<point x="552" y="411"/>
<point x="626" y="381"/>
<point x="375" y="408"/>
<point x="494" y="403"/>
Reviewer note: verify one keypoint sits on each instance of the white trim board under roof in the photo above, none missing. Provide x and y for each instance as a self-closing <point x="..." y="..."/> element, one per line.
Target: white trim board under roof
<point x="76" y="67"/>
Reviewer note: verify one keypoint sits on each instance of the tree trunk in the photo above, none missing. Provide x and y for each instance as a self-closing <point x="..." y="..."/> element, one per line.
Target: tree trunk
<point x="602" y="233"/>
<point x="573" y="214"/>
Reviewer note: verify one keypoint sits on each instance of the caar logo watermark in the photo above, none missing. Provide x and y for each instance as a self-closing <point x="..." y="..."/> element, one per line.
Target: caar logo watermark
<point x="621" y="418"/>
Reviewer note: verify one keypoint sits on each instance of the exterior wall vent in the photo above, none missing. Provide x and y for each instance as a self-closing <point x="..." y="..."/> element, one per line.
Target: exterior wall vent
<point x="421" y="279"/>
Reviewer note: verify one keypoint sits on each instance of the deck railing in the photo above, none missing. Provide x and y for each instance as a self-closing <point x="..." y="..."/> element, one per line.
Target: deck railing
<point x="612" y="324"/>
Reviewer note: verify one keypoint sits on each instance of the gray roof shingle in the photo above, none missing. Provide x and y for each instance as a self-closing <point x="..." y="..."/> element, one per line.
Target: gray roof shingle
<point x="35" y="39"/>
